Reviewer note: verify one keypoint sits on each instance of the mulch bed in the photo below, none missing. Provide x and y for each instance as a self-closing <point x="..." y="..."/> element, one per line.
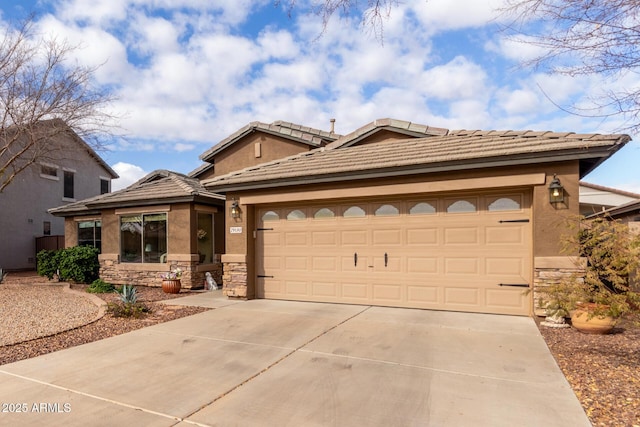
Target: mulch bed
<point x="603" y="370"/>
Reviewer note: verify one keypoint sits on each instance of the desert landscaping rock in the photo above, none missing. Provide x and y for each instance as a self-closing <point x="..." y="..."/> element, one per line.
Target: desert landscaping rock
<point x="34" y="311"/>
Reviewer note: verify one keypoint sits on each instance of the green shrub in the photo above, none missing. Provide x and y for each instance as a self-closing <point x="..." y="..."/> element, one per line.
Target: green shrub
<point x="99" y="286"/>
<point x="48" y="263"/>
<point x="78" y="264"/>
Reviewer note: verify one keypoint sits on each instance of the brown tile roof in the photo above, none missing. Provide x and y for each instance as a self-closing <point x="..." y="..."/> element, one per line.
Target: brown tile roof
<point x="303" y="134"/>
<point x="399" y="126"/>
<point x="158" y="187"/>
<point x="460" y="149"/>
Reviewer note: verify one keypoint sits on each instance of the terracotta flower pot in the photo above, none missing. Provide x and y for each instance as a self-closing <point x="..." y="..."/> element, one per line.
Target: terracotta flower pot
<point x="583" y="320"/>
<point x="171" y="286"/>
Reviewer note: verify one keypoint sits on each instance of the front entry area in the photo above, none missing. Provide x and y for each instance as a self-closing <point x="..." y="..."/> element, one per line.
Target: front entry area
<point x="460" y="251"/>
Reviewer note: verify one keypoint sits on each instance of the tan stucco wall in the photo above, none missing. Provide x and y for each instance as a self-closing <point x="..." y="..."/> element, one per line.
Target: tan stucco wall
<point x="242" y="153"/>
<point x="550" y="222"/>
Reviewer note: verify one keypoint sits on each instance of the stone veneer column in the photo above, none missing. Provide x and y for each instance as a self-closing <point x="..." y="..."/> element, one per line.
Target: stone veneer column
<point x="234" y="277"/>
<point x="553" y="270"/>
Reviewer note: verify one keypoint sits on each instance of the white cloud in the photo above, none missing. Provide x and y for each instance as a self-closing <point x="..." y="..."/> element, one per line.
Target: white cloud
<point x="128" y="175"/>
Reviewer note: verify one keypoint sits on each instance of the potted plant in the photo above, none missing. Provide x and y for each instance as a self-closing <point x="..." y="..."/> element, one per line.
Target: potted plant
<point x="610" y="254"/>
<point x="171" y="281"/>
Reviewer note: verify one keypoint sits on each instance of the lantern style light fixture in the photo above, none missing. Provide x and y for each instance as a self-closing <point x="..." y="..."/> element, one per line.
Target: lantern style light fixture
<point x="235" y="209"/>
<point x="556" y="191"/>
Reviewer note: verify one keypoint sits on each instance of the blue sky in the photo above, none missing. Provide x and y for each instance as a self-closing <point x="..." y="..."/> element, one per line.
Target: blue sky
<point x="187" y="73"/>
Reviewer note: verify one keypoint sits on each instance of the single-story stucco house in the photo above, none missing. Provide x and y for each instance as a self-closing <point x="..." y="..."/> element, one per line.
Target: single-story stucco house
<point x="393" y="214"/>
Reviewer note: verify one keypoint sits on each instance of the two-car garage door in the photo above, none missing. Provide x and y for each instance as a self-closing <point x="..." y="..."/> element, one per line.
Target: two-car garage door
<point x="464" y="252"/>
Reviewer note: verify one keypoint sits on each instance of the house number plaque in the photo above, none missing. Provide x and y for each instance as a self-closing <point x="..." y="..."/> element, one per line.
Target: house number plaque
<point x="235" y="230"/>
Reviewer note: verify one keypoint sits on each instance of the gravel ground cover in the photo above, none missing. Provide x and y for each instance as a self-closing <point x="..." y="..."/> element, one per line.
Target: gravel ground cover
<point x="604" y="371"/>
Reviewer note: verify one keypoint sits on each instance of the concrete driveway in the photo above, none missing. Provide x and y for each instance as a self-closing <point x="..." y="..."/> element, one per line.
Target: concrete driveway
<point x="281" y="363"/>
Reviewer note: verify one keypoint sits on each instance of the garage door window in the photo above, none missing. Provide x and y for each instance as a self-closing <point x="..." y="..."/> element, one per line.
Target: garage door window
<point x="354" y="212"/>
<point x="461" y="206"/>
<point x="387" y="210"/>
<point x="270" y="216"/>
<point x="422" y="208"/>
<point x="324" y="213"/>
<point x="296" y="215"/>
<point x="504" y="204"/>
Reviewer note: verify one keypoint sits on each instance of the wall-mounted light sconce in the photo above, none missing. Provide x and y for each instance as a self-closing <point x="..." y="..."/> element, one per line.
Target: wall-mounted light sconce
<point x="556" y="191"/>
<point x="235" y="209"/>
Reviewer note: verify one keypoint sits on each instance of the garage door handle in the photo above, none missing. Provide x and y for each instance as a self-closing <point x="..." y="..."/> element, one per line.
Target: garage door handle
<point x="513" y="220"/>
<point x="386" y="259"/>
<point x="355" y="259"/>
<point x="260" y="276"/>
<point x="519" y="285"/>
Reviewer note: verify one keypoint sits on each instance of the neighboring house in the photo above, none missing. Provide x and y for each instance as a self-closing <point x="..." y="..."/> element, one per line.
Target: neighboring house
<point x="597" y="198"/>
<point x="162" y="222"/>
<point x="458" y="220"/>
<point x="69" y="170"/>
<point x="628" y="213"/>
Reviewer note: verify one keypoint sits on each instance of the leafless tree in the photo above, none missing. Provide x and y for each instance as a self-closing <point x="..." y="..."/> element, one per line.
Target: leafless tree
<point x="43" y="94"/>
<point x="584" y="37"/>
<point x="372" y="13"/>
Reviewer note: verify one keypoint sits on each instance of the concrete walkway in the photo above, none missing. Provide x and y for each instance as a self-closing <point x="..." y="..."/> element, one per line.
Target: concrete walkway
<point x="281" y="363"/>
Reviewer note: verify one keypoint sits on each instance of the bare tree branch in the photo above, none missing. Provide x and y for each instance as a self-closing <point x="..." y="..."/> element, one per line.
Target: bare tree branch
<point x="44" y="95"/>
<point x="584" y="37"/>
<point x="372" y="13"/>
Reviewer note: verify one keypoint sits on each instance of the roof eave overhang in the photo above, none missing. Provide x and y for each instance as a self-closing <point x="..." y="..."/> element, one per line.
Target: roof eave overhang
<point x="160" y="201"/>
<point x="483" y="163"/>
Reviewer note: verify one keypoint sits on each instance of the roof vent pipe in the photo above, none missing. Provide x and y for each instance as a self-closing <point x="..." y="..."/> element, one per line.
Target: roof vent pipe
<point x="333" y="125"/>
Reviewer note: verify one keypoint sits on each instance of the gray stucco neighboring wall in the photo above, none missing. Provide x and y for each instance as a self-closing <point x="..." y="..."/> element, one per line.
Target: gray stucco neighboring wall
<point x="24" y="204"/>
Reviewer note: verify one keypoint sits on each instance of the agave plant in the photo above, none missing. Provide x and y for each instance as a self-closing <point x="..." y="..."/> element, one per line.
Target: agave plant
<point x="3" y="274"/>
<point x="128" y="294"/>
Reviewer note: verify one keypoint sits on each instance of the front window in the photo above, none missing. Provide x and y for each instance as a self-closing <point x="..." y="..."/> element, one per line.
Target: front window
<point x="104" y="186"/>
<point x="90" y="234"/>
<point x="68" y="185"/>
<point x="143" y="238"/>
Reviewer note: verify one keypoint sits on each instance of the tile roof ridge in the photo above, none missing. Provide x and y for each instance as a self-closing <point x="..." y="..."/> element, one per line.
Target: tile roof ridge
<point x="410" y="127"/>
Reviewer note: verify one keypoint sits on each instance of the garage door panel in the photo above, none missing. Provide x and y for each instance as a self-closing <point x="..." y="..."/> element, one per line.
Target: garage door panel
<point x="324" y="289"/>
<point x="468" y="266"/>
<point x="425" y="265"/>
<point x="355" y="291"/>
<point x="461" y="236"/>
<point x="385" y="238"/>
<point x="353" y="237"/>
<point x="392" y="265"/>
<point x="422" y="236"/>
<point x="462" y="296"/>
<point x="503" y="266"/>
<point x="296" y="287"/>
<point x="423" y="294"/>
<point x="348" y="263"/>
<point x="298" y="238"/>
<point x="504" y="235"/>
<point x="503" y="298"/>
<point x="293" y="263"/>
<point x="324" y="238"/>
<point x="271" y="239"/>
<point x="390" y="293"/>
<point x="328" y="263"/>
